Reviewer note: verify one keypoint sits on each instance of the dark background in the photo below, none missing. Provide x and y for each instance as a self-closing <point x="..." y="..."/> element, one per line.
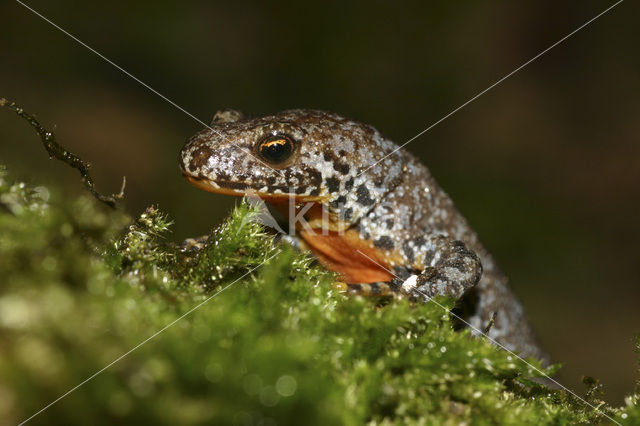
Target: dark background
<point x="545" y="166"/>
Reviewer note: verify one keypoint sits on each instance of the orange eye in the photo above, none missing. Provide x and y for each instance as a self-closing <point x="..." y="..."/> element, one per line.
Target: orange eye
<point x="276" y="149"/>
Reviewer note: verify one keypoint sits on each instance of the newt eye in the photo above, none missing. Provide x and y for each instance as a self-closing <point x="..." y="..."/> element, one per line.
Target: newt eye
<point x="276" y="149"/>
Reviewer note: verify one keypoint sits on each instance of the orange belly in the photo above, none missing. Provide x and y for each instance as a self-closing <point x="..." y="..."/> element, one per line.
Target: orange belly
<point x="341" y="253"/>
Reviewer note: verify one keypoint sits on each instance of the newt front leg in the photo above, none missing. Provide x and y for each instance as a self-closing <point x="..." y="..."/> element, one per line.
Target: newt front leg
<point x="452" y="270"/>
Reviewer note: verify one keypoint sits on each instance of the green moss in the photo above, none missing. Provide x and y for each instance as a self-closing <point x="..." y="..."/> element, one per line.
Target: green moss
<point x="269" y="343"/>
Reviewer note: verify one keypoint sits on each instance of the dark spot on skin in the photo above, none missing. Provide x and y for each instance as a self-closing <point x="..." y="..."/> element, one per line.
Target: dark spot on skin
<point x="457" y="263"/>
<point x="233" y="185"/>
<point x="338" y="202"/>
<point x="199" y="158"/>
<point x="389" y="223"/>
<point x="333" y="184"/>
<point x="427" y="275"/>
<point x="384" y="243"/>
<point x="223" y="176"/>
<point x="378" y="182"/>
<point x="271" y="180"/>
<point x="348" y="213"/>
<point x="342" y="153"/>
<point x="396" y="283"/>
<point x="341" y="167"/>
<point x="314" y="191"/>
<point x="300" y="189"/>
<point x="316" y="178"/>
<point x="408" y="252"/>
<point x="355" y="288"/>
<point x="363" y="196"/>
<point x="375" y="288"/>
<point x="327" y="157"/>
<point x="348" y="184"/>
<point x="367" y="129"/>
<point x="403" y="273"/>
<point x="458" y="247"/>
<point x="419" y="241"/>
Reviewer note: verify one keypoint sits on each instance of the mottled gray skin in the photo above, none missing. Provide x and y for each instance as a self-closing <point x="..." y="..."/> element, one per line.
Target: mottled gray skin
<point x="369" y="186"/>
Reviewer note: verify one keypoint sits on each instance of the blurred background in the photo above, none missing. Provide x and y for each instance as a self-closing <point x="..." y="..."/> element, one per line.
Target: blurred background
<point x="546" y="166"/>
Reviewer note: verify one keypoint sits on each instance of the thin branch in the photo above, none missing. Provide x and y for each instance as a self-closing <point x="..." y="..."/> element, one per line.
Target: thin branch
<point x="59" y="152"/>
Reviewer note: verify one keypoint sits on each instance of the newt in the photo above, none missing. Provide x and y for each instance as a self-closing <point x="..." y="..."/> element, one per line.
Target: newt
<point x="372" y="212"/>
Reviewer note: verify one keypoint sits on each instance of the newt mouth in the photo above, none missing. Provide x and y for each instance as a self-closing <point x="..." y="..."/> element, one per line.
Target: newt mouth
<point x="240" y="189"/>
<point x="219" y="187"/>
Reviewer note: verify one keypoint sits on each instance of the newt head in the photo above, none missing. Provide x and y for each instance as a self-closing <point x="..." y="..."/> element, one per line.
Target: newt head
<point x="264" y="157"/>
<point x="307" y="155"/>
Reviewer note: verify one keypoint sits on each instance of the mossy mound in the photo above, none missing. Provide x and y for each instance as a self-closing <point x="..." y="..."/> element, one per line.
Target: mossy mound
<point x="219" y="337"/>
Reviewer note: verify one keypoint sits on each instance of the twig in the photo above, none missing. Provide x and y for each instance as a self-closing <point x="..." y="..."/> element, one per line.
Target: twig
<point x="59" y="152"/>
<point x="490" y="324"/>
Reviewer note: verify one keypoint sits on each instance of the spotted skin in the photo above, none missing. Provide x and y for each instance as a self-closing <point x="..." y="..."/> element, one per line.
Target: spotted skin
<point x="382" y="204"/>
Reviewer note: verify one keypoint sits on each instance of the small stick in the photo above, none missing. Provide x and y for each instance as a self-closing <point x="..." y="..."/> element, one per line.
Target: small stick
<point x="59" y="152"/>
<point x="492" y="322"/>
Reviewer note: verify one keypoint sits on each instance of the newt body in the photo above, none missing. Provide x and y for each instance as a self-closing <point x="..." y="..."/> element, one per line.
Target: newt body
<point x="377" y="212"/>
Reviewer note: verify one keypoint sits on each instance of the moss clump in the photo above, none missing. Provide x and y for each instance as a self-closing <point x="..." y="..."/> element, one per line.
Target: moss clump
<point x="267" y="344"/>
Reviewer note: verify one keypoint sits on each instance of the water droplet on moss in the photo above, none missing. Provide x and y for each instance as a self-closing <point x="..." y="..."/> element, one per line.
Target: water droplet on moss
<point x="49" y="263"/>
<point x="286" y="385"/>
